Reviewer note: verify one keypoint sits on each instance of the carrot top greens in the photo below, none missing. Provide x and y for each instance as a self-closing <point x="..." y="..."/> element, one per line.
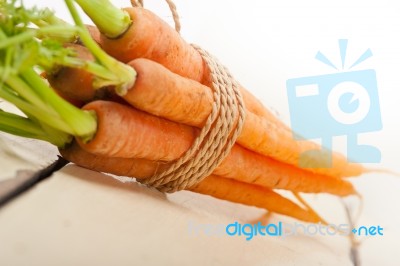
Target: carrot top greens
<point x="31" y="40"/>
<point x="110" y="20"/>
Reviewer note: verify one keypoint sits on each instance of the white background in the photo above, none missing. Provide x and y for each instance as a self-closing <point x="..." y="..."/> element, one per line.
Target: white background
<point x="264" y="43"/>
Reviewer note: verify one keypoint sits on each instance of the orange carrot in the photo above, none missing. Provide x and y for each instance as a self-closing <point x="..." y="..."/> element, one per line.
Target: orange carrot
<point x="152" y="38"/>
<point x="252" y="168"/>
<point x="163" y="93"/>
<point x="75" y="102"/>
<point x="141" y="135"/>
<point x="132" y="167"/>
<point x="218" y="187"/>
<point x="125" y="132"/>
<point x="235" y="191"/>
<point x="75" y="84"/>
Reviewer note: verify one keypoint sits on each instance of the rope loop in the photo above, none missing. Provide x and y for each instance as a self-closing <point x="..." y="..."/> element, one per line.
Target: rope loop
<point x="216" y="138"/>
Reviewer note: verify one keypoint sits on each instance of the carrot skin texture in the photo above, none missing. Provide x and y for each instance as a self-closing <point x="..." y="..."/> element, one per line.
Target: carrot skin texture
<point x="74" y="84"/>
<point x="132" y="167"/>
<point x="128" y="133"/>
<point x="123" y="131"/>
<point x="163" y="93"/>
<point x="151" y="37"/>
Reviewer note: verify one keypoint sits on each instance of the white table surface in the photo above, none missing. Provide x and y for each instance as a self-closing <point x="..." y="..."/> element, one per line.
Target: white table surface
<point x="81" y="217"/>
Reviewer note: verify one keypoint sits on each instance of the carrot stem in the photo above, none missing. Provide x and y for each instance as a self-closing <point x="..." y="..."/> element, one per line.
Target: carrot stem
<point x="61" y="33"/>
<point x="17" y="39"/>
<point x="47" y="18"/>
<point x="123" y="74"/>
<point x="47" y="116"/>
<point x="81" y="123"/>
<point x="64" y="33"/>
<point x="102" y="76"/>
<point x="110" y="20"/>
<point x="25" y="127"/>
<point x="48" y="109"/>
<point x="107" y="71"/>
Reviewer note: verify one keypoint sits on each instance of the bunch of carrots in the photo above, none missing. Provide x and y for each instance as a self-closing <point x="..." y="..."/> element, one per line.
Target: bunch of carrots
<point x="129" y="96"/>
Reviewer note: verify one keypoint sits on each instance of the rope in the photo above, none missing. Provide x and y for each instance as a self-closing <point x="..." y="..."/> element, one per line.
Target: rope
<point x="218" y="135"/>
<point x="137" y="3"/>
<point x="172" y="8"/>
<point x="216" y="138"/>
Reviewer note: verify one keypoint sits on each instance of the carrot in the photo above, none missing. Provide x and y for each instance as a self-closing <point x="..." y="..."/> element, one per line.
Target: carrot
<point x="46" y="116"/>
<point x="132" y="167"/>
<point x="125" y="132"/>
<point x="218" y="187"/>
<point x="163" y="93"/>
<point x="141" y="135"/>
<point x="235" y="191"/>
<point x="73" y="101"/>
<point x="152" y="38"/>
<point x="66" y="80"/>
<point x="173" y="52"/>
<point x="252" y="168"/>
<point x="74" y="83"/>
